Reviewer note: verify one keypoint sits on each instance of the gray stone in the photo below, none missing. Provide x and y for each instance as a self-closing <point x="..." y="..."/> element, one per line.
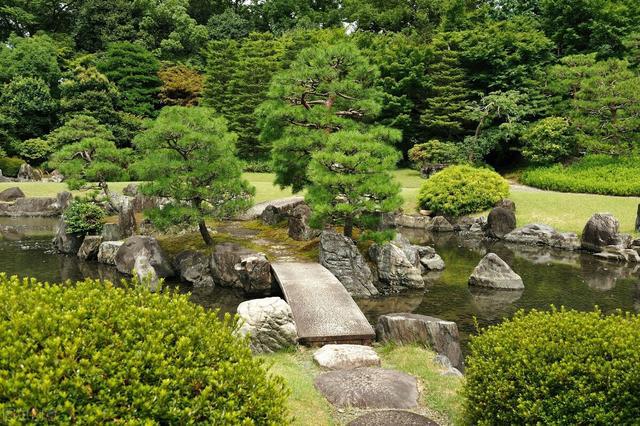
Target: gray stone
<point x="31" y="207"/>
<point x="276" y="212"/>
<point x="299" y="228"/>
<point x="394" y="269"/>
<point x="137" y="246"/>
<point x="539" y="234"/>
<point x="403" y="220"/>
<point x="392" y="418"/>
<point x="90" y="247"/>
<point x="28" y="173"/>
<point x="107" y="252"/>
<point x="11" y="194"/>
<point x="369" y="388"/>
<point x="493" y="272"/>
<point x="56" y="176"/>
<point x="64" y="242"/>
<point x="131" y="190"/>
<point x="268" y="323"/>
<point x="339" y="357"/>
<point x="255" y="211"/>
<point x="111" y="232"/>
<point x="440" y="224"/>
<point x="63" y="199"/>
<point x="500" y="222"/>
<point x="235" y="266"/>
<point x="505" y="203"/>
<point x="617" y="254"/>
<point x="444" y="362"/>
<point x="194" y="268"/>
<point x="601" y="230"/>
<point x="406" y="328"/>
<point x="146" y="273"/>
<point x="127" y="218"/>
<point x="340" y="255"/>
<point x="429" y="259"/>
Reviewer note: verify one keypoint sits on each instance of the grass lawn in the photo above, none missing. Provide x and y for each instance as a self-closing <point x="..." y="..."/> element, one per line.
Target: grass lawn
<point x="439" y="398"/>
<point x="564" y="211"/>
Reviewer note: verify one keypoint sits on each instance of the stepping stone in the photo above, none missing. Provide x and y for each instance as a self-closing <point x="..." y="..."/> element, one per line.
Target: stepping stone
<point x="369" y="388"/>
<point x="392" y="417"/>
<point x="339" y="357"/>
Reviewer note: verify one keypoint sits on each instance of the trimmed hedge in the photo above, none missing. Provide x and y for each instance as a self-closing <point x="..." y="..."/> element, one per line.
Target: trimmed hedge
<point x="84" y="217"/>
<point x="593" y="174"/>
<point x="10" y="166"/>
<point x="460" y="190"/>
<point x="558" y="367"/>
<point x="94" y="353"/>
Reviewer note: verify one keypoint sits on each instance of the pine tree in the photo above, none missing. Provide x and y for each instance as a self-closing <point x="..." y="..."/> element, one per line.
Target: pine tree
<point x="350" y="181"/>
<point x="134" y="71"/>
<point x="189" y="156"/>
<point x="222" y="56"/>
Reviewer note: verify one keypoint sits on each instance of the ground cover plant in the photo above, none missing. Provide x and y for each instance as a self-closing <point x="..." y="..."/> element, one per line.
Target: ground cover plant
<point x="95" y="353"/>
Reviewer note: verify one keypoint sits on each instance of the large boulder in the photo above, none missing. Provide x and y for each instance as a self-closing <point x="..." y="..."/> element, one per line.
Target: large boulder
<point x="505" y="203"/>
<point x="394" y="267"/>
<point x="235" y="266"/>
<point x="111" y="232"/>
<point x="11" y="194"/>
<point x="338" y="357"/>
<point x="145" y="272"/>
<point x="539" y="234"/>
<point x="402" y="220"/>
<point x="107" y="252"/>
<point x="269" y="324"/>
<point x="299" y="228"/>
<point x="137" y="246"/>
<point x="90" y="247"/>
<point x="406" y="328"/>
<point x="440" y="224"/>
<point x="66" y="242"/>
<point x="28" y="173"/>
<point x="429" y="259"/>
<point x="31" y="207"/>
<point x="340" y="255"/>
<point x="277" y="211"/>
<point x="600" y="231"/>
<point x="63" y="199"/>
<point x="500" y="222"/>
<point x="56" y="176"/>
<point x="493" y="272"/>
<point x="127" y="218"/>
<point x="194" y="268"/>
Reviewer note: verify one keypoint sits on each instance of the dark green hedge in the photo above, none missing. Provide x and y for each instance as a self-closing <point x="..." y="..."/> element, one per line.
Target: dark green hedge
<point x="558" y="367"/>
<point x="10" y="166"/>
<point x="93" y="353"/>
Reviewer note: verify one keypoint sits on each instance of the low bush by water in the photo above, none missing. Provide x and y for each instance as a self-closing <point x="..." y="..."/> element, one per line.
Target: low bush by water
<point x="593" y="174"/>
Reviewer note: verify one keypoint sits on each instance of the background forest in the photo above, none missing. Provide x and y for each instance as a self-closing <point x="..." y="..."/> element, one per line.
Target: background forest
<point x="511" y="83"/>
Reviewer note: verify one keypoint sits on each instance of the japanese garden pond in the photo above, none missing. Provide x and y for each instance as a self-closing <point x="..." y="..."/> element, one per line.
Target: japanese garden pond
<point x="574" y="280"/>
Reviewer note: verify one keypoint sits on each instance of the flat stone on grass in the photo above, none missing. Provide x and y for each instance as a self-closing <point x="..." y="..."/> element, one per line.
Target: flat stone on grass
<point x="339" y="357"/>
<point x="392" y="418"/>
<point x="369" y="388"/>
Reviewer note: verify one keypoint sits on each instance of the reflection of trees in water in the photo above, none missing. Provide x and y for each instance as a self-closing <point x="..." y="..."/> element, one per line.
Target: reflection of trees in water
<point x="494" y="304"/>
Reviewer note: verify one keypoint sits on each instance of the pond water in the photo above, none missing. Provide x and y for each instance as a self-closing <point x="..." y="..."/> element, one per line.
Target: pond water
<point x="551" y="277"/>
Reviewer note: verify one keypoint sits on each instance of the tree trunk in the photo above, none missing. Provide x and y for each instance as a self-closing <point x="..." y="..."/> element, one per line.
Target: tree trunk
<point x="205" y="233"/>
<point x="348" y="227"/>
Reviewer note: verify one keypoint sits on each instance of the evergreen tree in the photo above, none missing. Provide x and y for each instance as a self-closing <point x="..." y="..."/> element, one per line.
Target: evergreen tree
<point x="35" y="57"/>
<point x="188" y="155"/>
<point x="76" y="129"/>
<point x="326" y="89"/>
<point x="134" y="71"/>
<point x="181" y="85"/>
<point x="350" y="181"/>
<point x="222" y="56"/>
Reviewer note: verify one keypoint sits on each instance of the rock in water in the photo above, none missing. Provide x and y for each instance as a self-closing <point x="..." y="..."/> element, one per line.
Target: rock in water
<point x="193" y="267"/>
<point x="11" y="194"/>
<point x="235" y="266"/>
<point x="440" y="224"/>
<point x="339" y="357"/>
<point x="600" y="231"/>
<point x="269" y="324"/>
<point x="500" y="222"/>
<point x="369" y="388"/>
<point x="406" y="328"/>
<point x="493" y="272"/>
<point x="540" y="234"/>
<point x="137" y="246"/>
<point x="65" y="242"/>
<point x="107" y="252"/>
<point x="340" y="255"/>
<point x="394" y="268"/>
<point x="299" y="228"/>
<point x="90" y="247"/>
<point x="146" y="273"/>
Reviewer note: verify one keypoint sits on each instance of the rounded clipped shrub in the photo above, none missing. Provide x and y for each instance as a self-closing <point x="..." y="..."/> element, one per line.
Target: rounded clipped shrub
<point x="558" y="367"/>
<point x="84" y="217"/>
<point x="435" y="152"/>
<point x="94" y="353"/>
<point x="549" y="140"/>
<point x="460" y="190"/>
<point x="10" y="166"/>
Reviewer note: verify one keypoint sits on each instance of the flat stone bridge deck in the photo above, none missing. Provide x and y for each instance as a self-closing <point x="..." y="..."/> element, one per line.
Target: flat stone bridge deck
<point x="323" y="309"/>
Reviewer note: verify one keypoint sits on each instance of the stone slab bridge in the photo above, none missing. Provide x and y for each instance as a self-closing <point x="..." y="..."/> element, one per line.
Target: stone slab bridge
<point x="323" y="310"/>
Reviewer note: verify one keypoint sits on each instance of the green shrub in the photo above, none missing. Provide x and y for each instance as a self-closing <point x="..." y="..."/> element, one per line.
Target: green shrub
<point x="460" y="190"/>
<point x="435" y="152"/>
<point x="10" y="166"/>
<point x="593" y="174"/>
<point x="35" y="151"/>
<point x="558" y="367"/>
<point x="84" y="217"/>
<point x="549" y="140"/>
<point x="93" y="353"/>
